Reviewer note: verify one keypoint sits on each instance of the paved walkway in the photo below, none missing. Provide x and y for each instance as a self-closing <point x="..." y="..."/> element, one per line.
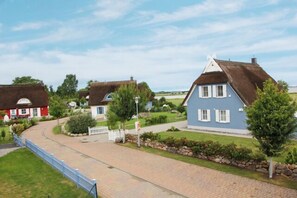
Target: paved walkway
<point x="7" y="148"/>
<point x="124" y="172"/>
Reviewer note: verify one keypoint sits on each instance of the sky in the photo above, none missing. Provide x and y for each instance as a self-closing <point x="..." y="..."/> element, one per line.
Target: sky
<point x="164" y="43"/>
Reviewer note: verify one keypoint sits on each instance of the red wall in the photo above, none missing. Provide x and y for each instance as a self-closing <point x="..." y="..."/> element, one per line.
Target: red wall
<point x="44" y="111"/>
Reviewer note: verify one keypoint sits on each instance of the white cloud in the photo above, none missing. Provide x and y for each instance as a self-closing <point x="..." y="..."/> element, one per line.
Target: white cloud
<point x="30" y="26"/>
<point x="113" y="9"/>
<point x="206" y="8"/>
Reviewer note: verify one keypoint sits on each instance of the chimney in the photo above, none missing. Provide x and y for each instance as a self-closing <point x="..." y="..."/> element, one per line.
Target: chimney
<point x="254" y="60"/>
<point x="131" y="78"/>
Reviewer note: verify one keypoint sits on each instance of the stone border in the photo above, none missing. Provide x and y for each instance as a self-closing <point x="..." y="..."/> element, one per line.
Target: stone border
<point x="288" y="170"/>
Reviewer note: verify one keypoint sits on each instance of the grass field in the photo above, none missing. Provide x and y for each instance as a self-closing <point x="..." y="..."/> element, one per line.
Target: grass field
<point x="22" y="174"/>
<point x="294" y="96"/>
<point x="176" y="101"/>
<point x="171" y="117"/>
<point x="277" y="180"/>
<point x="223" y="139"/>
<point x="8" y="138"/>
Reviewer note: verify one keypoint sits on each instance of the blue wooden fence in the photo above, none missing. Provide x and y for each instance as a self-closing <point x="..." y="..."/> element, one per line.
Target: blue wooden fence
<point x="73" y="174"/>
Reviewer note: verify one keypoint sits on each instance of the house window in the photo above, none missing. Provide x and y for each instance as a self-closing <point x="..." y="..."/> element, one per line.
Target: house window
<point x="205" y="91"/>
<point x="100" y="110"/>
<point x="13" y="112"/>
<point x="220" y="91"/>
<point x="223" y="116"/>
<point x="35" y="112"/>
<point x="204" y="115"/>
<point x="23" y="111"/>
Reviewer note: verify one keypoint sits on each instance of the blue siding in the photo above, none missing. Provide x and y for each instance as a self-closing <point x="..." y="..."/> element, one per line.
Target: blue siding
<point x="232" y="102"/>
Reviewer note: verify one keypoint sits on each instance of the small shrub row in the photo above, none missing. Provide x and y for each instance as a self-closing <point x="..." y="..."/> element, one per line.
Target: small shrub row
<point x="173" y="129"/>
<point x="80" y="123"/>
<point x="156" y="120"/>
<point x="291" y="157"/>
<point x="150" y="135"/>
<point x="210" y="148"/>
<point x="22" y="124"/>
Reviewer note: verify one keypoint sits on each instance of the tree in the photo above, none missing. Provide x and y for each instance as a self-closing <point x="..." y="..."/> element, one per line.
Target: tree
<point x="57" y="108"/>
<point x="123" y="104"/>
<point x="283" y="85"/>
<point x="271" y="119"/>
<point x="26" y="80"/>
<point x="68" y="87"/>
<point x="146" y="95"/>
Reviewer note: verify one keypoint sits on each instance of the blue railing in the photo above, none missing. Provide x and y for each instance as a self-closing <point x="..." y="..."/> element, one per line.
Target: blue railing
<point x="73" y="174"/>
<point x="18" y="140"/>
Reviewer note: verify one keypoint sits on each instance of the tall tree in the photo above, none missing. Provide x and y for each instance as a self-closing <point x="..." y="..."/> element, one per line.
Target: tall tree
<point x="68" y="87"/>
<point x="57" y="108"/>
<point x="145" y="94"/>
<point x="283" y="85"/>
<point x="26" y="80"/>
<point x="123" y="104"/>
<point x="271" y="119"/>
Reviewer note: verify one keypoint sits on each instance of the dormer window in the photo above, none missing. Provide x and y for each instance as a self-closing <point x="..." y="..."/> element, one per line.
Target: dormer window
<point x="24" y="101"/>
<point x="108" y="97"/>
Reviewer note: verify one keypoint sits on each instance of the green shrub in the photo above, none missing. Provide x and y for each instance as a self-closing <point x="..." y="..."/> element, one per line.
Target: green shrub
<point x="3" y="134"/>
<point x="80" y="123"/>
<point x="258" y="156"/>
<point x="18" y="128"/>
<point x="156" y="120"/>
<point x="173" y="129"/>
<point x="150" y="135"/>
<point x="291" y="157"/>
<point x="170" y="141"/>
<point x="33" y="121"/>
<point x="1" y="123"/>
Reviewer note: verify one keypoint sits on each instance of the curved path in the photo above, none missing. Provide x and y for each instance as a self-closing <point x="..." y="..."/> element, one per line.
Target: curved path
<point x="124" y="172"/>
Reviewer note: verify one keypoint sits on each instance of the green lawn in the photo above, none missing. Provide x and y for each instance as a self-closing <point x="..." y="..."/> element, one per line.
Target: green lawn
<point x="176" y="101"/>
<point x="223" y="139"/>
<point x="22" y="174"/>
<point x="277" y="180"/>
<point x="8" y="138"/>
<point x="171" y="117"/>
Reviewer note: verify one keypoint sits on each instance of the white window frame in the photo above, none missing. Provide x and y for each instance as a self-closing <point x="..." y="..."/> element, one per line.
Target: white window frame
<point x="98" y="110"/>
<point x="23" y="110"/>
<point x="201" y="113"/>
<point x="201" y="91"/>
<point x="219" y="116"/>
<point x="35" y="112"/>
<point x="13" y="111"/>
<point x="215" y="91"/>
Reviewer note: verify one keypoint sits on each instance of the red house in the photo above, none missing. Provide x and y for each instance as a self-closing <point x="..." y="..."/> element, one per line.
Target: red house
<point x="24" y="101"/>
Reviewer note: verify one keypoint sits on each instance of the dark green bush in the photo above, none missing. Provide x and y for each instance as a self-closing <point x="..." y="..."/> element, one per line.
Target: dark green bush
<point x="80" y="123"/>
<point x="156" y="120"/>
<point x="173" y="129"/>
<point x="291" y="157"/>
<point x="3" y="134"/>
<point x="150" y="135"/>
<point x="1" y="123"/>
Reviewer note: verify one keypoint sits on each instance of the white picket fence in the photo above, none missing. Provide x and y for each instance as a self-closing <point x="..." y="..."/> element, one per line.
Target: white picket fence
<point x="97" y="130"/>
<point x="112" y="135"/>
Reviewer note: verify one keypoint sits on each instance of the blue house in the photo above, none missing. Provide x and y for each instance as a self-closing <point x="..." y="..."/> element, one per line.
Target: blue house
<point x="217" y="98"/>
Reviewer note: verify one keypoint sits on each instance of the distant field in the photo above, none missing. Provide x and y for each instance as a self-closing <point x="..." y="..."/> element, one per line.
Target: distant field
<point x="176" y="101"/>
<point x="294" y="96"/>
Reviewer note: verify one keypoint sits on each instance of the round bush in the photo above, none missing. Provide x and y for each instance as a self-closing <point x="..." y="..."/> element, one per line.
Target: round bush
<point x="80" y="123"/>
